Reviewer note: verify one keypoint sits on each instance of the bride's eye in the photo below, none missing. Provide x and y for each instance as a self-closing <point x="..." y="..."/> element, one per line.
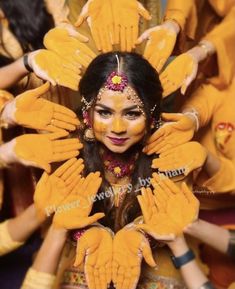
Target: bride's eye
<point x="104" y="112"/>
<point x="133" y="114"/>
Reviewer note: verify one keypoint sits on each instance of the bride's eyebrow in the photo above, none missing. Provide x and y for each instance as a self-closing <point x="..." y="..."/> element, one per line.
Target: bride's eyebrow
<point x="108" y="108"/>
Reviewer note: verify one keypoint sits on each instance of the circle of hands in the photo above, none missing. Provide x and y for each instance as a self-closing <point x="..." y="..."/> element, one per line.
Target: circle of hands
<point x="68" y="198"/>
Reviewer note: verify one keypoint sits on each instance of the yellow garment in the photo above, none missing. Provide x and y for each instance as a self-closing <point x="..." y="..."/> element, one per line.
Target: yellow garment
<point x="212" y="26"/>
<point x="37" y="280"/>
<point x="6" y="243"/>
<point x="216" y="116"/>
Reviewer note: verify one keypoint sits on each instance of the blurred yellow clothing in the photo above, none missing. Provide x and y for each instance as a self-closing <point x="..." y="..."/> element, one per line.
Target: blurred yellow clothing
<point x="37" y="280"/>
<point x="7" y="244"/>
<point x="211" y="20"/>
<point x="217" y="119"/>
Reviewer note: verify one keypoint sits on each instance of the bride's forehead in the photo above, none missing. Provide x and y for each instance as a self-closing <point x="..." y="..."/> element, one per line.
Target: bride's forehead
<point x="116" y="100"/>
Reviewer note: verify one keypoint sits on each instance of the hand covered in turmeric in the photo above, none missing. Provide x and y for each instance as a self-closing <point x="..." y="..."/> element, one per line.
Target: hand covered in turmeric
<point x="69" y="45"/>
<point x="74" y="211"/>
<point x="41" y="150"/>
<point x="129" y="248"/>
<point x="179" y="74"/>
<point x="95" y="249"/>
<point x="160" y="43"/>
<point x="126" y="16"/>
<point x="100" y="20"/>
<point x="176" y="207"/>
<point x="52" y="189"/>
<point x="178" y="129"/>
<point x="50" y="66"/>
<point x="186" y="157"/>
<point x="30" y="110"/>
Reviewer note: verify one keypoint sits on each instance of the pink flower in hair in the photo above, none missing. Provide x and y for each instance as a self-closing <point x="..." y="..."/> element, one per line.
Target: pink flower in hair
<point x="116" y="81"/>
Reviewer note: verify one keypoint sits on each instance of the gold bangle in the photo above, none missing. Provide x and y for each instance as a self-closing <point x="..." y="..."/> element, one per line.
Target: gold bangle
<point x="205" y="48"/>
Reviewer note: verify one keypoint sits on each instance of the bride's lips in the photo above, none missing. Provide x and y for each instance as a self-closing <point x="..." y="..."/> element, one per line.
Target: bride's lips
<point x="117" y="141"/>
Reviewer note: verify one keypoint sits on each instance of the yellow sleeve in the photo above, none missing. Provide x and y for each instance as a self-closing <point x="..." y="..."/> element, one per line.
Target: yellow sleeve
<point x="221" y="7"/>
<point x="184" y="13"/>
<point x="37" y="280"/>
<point x="222" y="37"/>
<point x="6" y="243"/>
<point x="223" y="181"/>
<point x="205" y="100"/>
<point x="59" y="10"/>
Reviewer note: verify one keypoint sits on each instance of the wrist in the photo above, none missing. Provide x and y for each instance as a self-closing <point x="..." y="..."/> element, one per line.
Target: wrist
<point x="8" y="112"/>
<point x="27" y="63"/>
<point x="178" y="246"/>
<point x="6" y="152"/>
<point x="198" y="53"/>
<point x="172" y="25"/>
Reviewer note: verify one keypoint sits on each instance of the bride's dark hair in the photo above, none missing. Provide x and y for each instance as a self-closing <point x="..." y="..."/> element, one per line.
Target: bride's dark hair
<point x="145" y="81"/>
<point x="28" y="20"/>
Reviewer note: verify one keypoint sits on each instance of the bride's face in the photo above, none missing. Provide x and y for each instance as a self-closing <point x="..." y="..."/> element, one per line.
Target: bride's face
<point x="118" y="123"/>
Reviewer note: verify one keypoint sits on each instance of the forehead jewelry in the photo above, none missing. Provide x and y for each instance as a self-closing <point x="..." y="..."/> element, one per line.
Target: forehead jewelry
<point x="117" y="81"/>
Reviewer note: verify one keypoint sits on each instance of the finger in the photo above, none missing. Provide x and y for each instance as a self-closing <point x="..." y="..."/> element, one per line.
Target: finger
<point x="64" y="156"/>
<point x="129" y="42"/>
<point x="83" y="15"/>
<point x="63" y="144"/>
<point x="39" y="91"/>
<point x="147" y="254"/>
<point x="144" y="36"/>
<point x="65" y="118"/>
<point x="56" y="135"/>
<point x="63" y="125"/>
<point x="188" y="193"/>
<point x="63" y="168"/>
<point x="94" y="218"/>
<point x="135" y="31"/>
<point x="115" y="267"/>
<point x="116" y="34"/>
<point x="143" y="12"/>
<point x="75" y="167"/>
<point x="89" y="274"/>
<point x="72" y="187"/>
<point x="65" y="111"/>
<point x="66" y="148"/>
<point x="80" y="252"/>
<point x="123" y="38"/>
<point x="96" y="38"/>
<point x="143" y="207"/>
<point x="74" y="174"/>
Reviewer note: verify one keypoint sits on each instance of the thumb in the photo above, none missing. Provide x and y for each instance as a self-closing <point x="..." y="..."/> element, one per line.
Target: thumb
<point x="142" y="37"/>
<point x="82" y="16"/>
<point x="171" y="116"/>
<point x="94" y="218"/>
<point x="147" y="254"/>
<point x="57" y="135"/>
<point x="80" y="252"/>
<point x="143" y="12"/>
<point x="44" y="166"/>
<point x="41" y="89"/>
